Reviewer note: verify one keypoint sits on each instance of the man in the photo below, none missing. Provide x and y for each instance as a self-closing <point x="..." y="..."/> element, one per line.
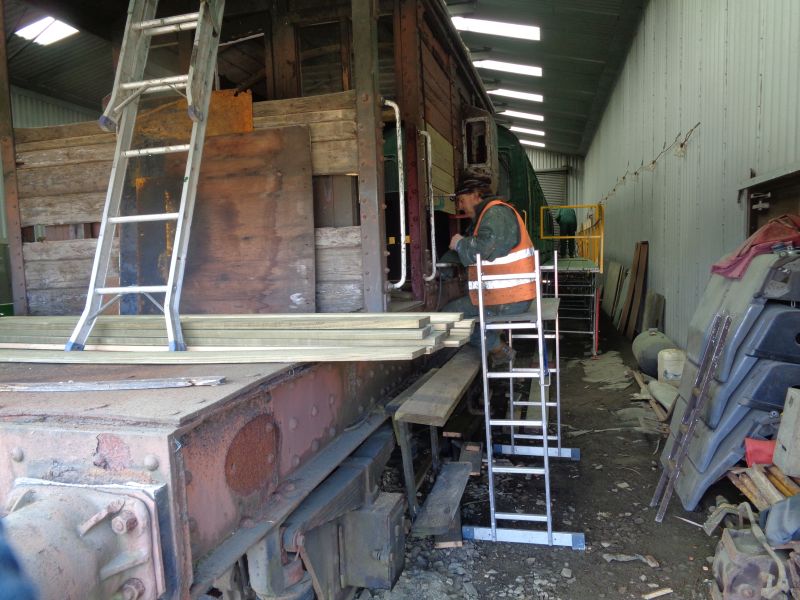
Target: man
<point x="497" y="233"/>
<point x="568" y="225"/>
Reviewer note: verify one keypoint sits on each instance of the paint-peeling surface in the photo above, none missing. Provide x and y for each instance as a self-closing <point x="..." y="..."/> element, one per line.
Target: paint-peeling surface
<point x="734" y="67"/>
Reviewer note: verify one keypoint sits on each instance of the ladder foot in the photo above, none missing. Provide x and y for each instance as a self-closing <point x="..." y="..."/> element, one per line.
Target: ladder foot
<point x="195" y="114"/>
<point x="177" y="347"/>
<point x="70" y="346"/>
<point x="107" y="124"/>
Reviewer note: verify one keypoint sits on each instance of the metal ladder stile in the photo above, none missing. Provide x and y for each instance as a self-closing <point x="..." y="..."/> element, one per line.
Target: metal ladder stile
<point x="120" y="117"/>
<point x="539" y="373"/>
<point x="708" y="367"/>
<point x="550" y="315"/>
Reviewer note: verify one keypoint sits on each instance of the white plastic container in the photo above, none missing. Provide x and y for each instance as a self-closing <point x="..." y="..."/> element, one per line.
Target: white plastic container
<point x="670" y="366"/>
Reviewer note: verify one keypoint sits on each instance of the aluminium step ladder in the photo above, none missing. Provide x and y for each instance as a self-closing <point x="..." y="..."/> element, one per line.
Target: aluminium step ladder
<point x="539" y="449"/>
<point x="709" y="362"/>
<point x="120" y="117"/>
<point x="550" y="317"/>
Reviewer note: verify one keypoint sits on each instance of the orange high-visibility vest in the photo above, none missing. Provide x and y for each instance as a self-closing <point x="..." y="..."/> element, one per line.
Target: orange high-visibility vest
<point x="518" y="260"/>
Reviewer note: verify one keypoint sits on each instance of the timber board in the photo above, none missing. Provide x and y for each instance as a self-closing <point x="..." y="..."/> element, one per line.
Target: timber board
<point x="443" y="502"/>
<point x="434" y="402"/>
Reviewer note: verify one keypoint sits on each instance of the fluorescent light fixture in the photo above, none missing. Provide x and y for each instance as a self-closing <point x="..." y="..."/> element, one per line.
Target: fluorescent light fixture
<point x="506" y="67"/>
<point x="46" y="31"/>
<point x="518" y="95"/>
<point x="522" y="115"/>
<point x="523" y="32"/>
<point x="528" y="131"/>
<point x="532" y="143"/>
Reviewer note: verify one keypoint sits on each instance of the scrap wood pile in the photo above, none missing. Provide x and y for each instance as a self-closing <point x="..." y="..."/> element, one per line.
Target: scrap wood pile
<point x="764" y="485"/>
<point x="237" y="338"/>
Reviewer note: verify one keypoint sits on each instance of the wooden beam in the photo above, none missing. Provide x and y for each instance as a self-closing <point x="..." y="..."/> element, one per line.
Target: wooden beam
<point x="10" y="191"/>
<point x="370" y="153"/>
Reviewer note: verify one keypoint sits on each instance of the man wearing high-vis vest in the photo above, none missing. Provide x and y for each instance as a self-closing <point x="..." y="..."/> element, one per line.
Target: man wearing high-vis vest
<point x="498" y="234"/>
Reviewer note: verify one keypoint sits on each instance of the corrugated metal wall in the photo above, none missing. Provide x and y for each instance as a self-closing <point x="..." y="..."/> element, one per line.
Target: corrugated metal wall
<point x="734" y="67"/>
<point x="30" y="109"/>
<point x="541" y="160"/>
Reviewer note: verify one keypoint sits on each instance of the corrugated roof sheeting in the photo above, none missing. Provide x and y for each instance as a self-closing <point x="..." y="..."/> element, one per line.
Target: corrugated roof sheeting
<point x="30" y="109"/>
<point x="732" y="66"/>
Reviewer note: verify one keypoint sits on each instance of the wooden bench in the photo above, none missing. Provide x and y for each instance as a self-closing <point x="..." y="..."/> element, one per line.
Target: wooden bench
<point x="431" y="401"/>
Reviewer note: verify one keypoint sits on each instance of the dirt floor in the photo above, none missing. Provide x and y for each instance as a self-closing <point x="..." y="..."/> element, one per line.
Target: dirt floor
<point x="605" y="495"/>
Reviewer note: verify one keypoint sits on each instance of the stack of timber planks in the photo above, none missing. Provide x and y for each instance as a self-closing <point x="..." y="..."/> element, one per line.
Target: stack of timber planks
<point x="212" y="339"/>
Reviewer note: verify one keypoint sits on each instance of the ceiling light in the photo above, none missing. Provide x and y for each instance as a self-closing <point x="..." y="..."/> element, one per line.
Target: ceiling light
<point x="523" y="32"/>
<point x="532" y="143"/>
<point x="46" y="31"/>
<point x="528" y="131"/>
<point x="518" y="95"/>
<point x="497" y="65"/>
<point x="522" y="115"/>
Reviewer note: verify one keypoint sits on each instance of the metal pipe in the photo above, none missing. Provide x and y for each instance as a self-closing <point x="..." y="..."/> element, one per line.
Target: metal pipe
<point x="401" y="183"/>
<point x="429" y="164"/>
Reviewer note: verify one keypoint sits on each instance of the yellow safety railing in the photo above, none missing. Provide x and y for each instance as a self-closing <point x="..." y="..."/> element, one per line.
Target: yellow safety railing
<point x="589" y="240"/>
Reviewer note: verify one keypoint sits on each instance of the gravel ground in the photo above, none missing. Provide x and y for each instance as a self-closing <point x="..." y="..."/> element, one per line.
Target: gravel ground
<point x="605" y="495"/>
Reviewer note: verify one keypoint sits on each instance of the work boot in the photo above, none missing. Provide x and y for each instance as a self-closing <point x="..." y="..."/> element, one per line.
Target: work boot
<point x="502" y="355"/>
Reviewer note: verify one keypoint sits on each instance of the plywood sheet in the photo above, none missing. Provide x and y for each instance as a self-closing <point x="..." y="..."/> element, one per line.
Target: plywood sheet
<point x="252" y="243"/>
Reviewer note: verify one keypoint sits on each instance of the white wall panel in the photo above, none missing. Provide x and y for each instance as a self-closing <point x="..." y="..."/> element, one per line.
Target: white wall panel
<point x="542" y="160"/>
<point x="734" y="67"/>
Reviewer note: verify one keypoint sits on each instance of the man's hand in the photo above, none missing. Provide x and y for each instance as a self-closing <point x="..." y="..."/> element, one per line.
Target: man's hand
<point x="454" y="241"/>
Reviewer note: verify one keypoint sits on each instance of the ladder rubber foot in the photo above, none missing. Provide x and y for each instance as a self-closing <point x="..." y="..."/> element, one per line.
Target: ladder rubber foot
<point x="107" y="124"/>
<point x="177" y="347"/>
<point x="70" y="346"/>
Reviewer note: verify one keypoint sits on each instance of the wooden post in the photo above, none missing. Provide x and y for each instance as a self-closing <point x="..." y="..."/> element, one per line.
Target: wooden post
<point x="408" y="66"/>
<point x="370" y="153"/>
<point x="285" y="59"/>
<point x="11" y="195"/>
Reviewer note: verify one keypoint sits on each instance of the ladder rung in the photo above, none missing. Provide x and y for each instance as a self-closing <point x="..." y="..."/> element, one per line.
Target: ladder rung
<point x="508" y="276"/>
<point x="157" y="150"/>
<point x="145" y="218"/>
<point x="528" y="436"/>
<point x="520" y="517"/>
<point x="519" y="470"/>
<point x="166" y="21"/>
<point x="505" y="326"/>
<point x="514" y="423"/>
<point x="534" y="403"/>
<point x="132" y="289"/>
<point x="161" y="84"/>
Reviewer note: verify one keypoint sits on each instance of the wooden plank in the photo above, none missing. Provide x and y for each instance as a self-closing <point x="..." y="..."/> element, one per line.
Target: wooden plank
<point x="334" y="158"/>
<point x="472" y="453"/>
<point x="653" y="315"/>
<point x="627" y="298"/>
<point x="641" y="274"/>
<point x="434" y="402"/>
<point x="339" y="296"/>
<point x="611" y="287"/>
<point x="164" y="357"/>
<point x="254" y="202"/>
<point x="310" y="104"/>
<point x="65" y="155"/>
<point x="59" y="301"/>
<point x="337" y="237"/>
<point x="789" y="487"/>
<point x="24" y="135"/>
<point x="452" y="538"/>
<point x="751" y="492"/>
<point x="65" y="179"/>
<point x="66" y="209"/>
<point x="110" y="385"/>
<point x="759" y="477"/>
<point x="443" y="502"/>
<point x="58" y="274"/>
<point x="346" y="115"/>
<point x="100" y="137"/>
<point x="62" y="250"/>
<point x="338" y="264"/>
<point x="626" y="285"/>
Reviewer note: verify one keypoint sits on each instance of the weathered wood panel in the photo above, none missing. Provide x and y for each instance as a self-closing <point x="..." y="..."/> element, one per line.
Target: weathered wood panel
<point x="331" y="119"/>
<point x="337" y="237"/>
<point x="252" y="243"/>
<point x="333" y="297"/>
<point x="64" y="179"/>
<point x="340" y="286"/>
<point x="339" y="264"/>
<point x="62" y="155"/>
<point x="62" y="210"/>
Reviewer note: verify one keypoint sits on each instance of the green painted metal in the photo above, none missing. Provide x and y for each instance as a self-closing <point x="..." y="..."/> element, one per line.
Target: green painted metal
<point x="520" y="187"/>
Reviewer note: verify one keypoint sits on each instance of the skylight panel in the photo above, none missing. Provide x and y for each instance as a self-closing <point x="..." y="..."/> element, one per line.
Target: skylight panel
<point x="507" y="67"/>
<point x="532" y="143"/>
<point x="522" y="115"/>
<point x="527" y="131"/>
<point x="46" y="31"/>
<point x="517" y="95"/>
<point x="523" y="32"/>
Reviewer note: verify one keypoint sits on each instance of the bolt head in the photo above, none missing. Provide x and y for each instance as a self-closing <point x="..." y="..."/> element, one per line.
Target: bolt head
<point x="132" y="589"/>
<point x="124" y="522"/>
<point x="17" y="454"/>
<point x="151" y="462"/>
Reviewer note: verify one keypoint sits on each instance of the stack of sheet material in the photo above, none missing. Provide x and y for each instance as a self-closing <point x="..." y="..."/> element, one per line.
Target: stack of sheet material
<point x="308" y="337"/>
